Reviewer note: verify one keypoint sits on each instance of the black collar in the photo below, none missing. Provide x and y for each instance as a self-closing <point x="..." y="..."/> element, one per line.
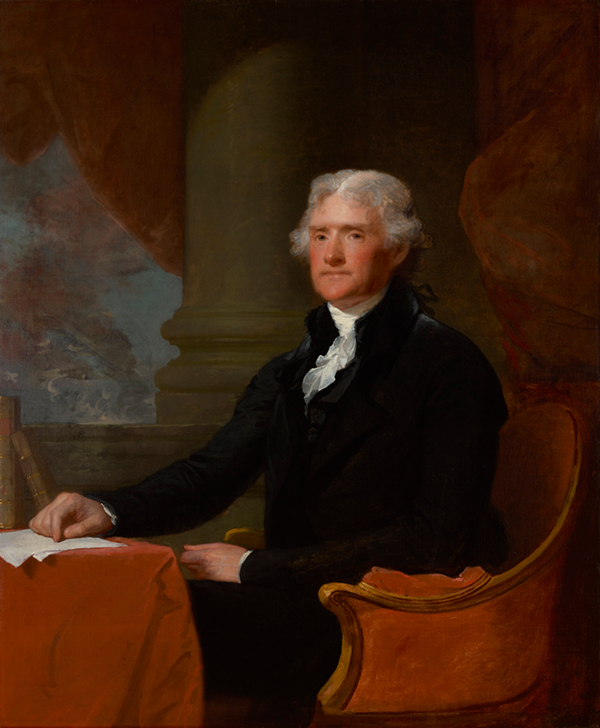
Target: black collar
<point x="379" y="334"/>
<point x="383" y="328"/>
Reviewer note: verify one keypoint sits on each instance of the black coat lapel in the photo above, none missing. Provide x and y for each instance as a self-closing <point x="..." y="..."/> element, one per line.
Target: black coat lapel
<point x="366" y="405"/>
<point x="288" y="436"/>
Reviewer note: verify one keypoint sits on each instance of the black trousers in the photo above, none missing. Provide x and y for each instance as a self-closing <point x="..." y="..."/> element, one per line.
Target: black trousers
<point x="277" y="646"/>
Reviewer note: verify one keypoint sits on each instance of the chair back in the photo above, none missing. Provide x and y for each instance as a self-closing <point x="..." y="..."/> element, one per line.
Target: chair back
<point x="539" y="456"/>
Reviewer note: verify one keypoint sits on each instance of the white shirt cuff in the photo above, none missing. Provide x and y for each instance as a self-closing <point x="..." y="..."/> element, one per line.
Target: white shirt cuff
<point x="111" y="514"/>
<point x="244" y="557"/>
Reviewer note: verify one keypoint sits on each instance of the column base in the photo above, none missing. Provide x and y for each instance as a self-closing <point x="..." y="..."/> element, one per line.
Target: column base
<point x="220" y="353"/>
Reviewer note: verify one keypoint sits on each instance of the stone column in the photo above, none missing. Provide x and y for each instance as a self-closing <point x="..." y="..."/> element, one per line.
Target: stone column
<point x="245" y="298"/>
<point x="278" y="92"/>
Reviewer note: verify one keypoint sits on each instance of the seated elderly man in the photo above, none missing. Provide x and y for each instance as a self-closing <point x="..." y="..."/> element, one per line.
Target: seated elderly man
<point x="377" y="437"/>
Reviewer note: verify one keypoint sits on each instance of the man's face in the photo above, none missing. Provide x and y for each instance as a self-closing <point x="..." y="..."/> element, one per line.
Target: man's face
<point x="348" y="263"/>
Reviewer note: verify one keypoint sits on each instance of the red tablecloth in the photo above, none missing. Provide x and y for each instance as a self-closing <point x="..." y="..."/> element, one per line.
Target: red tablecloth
<point x="98" y="638"/>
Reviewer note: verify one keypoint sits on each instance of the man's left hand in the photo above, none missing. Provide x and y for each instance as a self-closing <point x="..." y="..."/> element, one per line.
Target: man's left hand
<point x="214" y="561"/>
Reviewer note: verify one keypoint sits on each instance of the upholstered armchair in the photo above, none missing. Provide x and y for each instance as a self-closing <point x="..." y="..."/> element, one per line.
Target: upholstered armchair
<point x="477" y="648"/>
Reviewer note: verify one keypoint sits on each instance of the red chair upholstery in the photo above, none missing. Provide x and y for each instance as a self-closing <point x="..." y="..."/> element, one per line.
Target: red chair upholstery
<point x="478" y="648"/>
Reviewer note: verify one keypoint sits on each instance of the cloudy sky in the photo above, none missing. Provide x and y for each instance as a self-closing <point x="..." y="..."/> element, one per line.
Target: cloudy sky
<point x="81" y="303"/>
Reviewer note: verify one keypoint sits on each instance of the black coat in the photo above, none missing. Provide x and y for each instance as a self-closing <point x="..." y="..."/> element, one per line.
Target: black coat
<point x="392" y="466"/>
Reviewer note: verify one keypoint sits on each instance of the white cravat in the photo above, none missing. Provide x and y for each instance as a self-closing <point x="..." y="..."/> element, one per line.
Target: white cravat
<point x="343" y="349"/>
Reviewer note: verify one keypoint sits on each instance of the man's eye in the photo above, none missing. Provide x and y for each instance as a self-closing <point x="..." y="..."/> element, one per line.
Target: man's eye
<point x="320" y="237"/>
<point x="356" y="236"/>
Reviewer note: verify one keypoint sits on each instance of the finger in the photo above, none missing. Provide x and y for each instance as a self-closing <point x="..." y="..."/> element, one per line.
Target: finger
<point x="194" y="564"/>
<point x="56" y="525"/>
<point x="38" y="516"/>
<point x="198" y="572"/>
<point x="88" y="527"/>
<point x="200" y="546"/>
<point x="188" y="557"/>
<point x="60" y="515"/>
<point x="43" y="525"/>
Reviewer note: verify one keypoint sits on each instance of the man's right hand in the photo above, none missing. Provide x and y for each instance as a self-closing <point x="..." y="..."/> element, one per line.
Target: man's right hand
<point x="71" y="515"/>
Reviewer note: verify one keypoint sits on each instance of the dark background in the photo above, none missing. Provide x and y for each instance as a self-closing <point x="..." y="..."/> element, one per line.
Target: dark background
<point x="381" y="85"/>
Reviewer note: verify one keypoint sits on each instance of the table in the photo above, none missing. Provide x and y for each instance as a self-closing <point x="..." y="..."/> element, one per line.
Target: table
<point x="98" y="638"/>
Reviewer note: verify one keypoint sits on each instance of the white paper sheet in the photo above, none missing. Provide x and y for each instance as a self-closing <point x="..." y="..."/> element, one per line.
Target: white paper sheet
<point x="17" y="546"/>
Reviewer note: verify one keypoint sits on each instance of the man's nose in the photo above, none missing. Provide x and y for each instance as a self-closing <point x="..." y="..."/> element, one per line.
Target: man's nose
<point x="334" y="252"/>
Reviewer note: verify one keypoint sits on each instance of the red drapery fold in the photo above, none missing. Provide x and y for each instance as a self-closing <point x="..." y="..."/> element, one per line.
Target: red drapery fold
<point x="107" y="76"/>
<point x="529" y="202"/>
<point x="530" y="208"/>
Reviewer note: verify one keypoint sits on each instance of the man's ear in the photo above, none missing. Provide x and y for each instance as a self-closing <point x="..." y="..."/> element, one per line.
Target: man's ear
<point x="400" y="255"/>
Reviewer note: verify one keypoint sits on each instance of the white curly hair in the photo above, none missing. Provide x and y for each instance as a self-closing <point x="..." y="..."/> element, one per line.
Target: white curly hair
<point x="368" y="188"/>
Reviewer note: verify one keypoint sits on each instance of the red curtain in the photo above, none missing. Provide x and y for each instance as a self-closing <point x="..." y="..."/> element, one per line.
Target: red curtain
<point x="107" y="76"/>
<point x="530" y="208"/>
<point x="530" y="199"/>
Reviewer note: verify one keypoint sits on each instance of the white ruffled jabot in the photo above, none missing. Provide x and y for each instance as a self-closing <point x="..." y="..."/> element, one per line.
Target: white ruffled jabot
<point x="343" y="349"/>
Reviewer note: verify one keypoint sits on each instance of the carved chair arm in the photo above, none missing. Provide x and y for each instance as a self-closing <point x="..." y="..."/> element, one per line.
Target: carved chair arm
<point x="420" y="593"/>
<point x="248" y="538"/>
